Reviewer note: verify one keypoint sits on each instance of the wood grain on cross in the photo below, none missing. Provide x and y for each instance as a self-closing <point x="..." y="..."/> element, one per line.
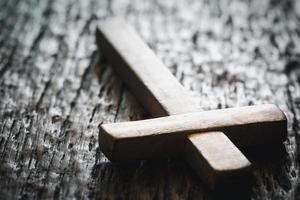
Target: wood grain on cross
<point x="196" y="135"/>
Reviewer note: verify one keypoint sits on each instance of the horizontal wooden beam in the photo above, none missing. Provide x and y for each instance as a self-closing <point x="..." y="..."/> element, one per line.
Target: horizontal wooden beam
<point x="164" y="136"/>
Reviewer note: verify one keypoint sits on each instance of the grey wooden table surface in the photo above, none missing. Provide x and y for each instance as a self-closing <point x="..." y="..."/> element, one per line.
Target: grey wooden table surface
<point x="55" y="89"/>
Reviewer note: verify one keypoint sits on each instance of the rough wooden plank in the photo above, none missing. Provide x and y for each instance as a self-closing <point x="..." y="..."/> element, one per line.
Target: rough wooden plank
<point x="248" y="56"/>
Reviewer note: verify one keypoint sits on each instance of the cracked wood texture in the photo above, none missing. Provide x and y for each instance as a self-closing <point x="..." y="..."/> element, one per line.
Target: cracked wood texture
<point x="56" y="89"/>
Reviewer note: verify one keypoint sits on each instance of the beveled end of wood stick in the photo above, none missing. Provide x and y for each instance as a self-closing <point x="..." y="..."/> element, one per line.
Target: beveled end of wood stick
<point x="122" y="147"/>
<point x="106" y="143"/>
<point x="215" y="159"/>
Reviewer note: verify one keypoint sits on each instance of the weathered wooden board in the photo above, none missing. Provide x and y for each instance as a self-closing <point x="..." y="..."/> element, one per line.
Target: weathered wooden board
<point x="54" y="92"/>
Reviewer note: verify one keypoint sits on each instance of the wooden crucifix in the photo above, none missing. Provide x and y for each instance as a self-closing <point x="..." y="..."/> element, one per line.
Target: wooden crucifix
<point x="206" y="139"/>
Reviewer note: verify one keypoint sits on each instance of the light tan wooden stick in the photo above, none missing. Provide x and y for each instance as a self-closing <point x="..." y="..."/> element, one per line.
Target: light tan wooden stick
<point x="214" y="157"/>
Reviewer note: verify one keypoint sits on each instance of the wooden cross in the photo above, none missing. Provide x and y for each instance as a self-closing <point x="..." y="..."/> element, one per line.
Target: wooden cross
<point x="204" y="138"/>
